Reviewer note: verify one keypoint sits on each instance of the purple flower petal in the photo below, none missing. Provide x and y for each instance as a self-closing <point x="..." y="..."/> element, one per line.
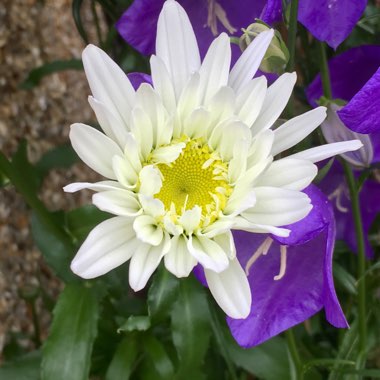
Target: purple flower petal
<point x="138" y="78"/>
<point x="349" y="72"/>
<point x="362" y="113"/>
<point x="139" y="23"/>
<point x="330" y="20"/>
<point x="305" y="289"/>
<point x="311" y="226"/>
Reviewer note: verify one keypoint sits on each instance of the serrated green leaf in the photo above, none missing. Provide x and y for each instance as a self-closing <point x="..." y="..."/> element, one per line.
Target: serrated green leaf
<point x="159" y="357"/>
<point x="162" y="294"/>
<point x="83" y="219"/>
<point x="190" y="326"/>
<point x="38" y="73"/>
<point x="67" y="351"/>
<point x="26" y="367"/>
<point x="135" y="323"/>
<point x="57" y="254"/>
<point x="123" y="362"/>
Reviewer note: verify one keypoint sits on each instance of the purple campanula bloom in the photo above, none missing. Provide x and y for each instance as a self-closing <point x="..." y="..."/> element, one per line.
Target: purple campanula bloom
<point x="209" y="18"/>
<point x="282" y="300"/>
<point x="290" y="278"/>
<point x="330" y="20"/>
<point x="352" y="73"/>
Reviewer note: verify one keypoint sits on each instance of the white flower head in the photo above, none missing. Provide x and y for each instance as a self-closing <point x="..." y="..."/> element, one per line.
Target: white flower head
<point x="190" y="158"/>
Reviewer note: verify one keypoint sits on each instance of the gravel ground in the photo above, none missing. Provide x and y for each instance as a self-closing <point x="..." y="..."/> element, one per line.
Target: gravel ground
<point x="34" y="32"/>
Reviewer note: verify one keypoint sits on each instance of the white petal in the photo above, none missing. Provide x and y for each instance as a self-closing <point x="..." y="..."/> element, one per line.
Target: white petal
<point x="322" y="152"/>
<point x="179" y="260"/>
<point x="208" y="253"/>
<point x="124" y="172"/>
<point x="248" y="63"/>
<point x="296" y="129"/>
<point x="190" y="219"/>
<point x="275" y="101"/>
<point x="162" y="82"/>
<point x="190" y="97"/>
<point x="261" y="147"/>
<point x="176" y="44"/>
<point x="97" y="186"/>
<point x="167" y="154"/>
<point x="250" y="100"/>
<point x="226" y="134"/>
<point x="112" y="125"/>
<point x="197" y="123"/>
<point x="118" y="202"/>
<point x="150" y="102"/>
<point x="144" y="262"/>
<point x="221" y="107"/>
<point x="94" y="148"/>
<point x="242" y="224"/>
<point x="150" y="180"/>
<point x="152" y="206"/>
<point x="278" y="207"/>
<point x="241" y="199"/>
<point x="108" y="245"/>
<point x="215" y="67"/>
<point x="238" y="164"/>
<point x="108" y="82"/>
<point x="288" y="173"/>
<point x="142" y="129"/>
<point x="231" y="290"/>
<point x="147" y="230"/>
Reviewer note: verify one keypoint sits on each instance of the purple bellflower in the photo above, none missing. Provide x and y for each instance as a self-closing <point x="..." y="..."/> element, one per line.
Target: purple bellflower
<point x="354" y="78"/>
<point x="290" y="278"/>
<point x="330" y="20"/>
<point x="209" y="18"/>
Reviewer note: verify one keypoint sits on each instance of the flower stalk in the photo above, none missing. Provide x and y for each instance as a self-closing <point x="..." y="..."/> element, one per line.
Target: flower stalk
<point x="354" y="195"/>
<point x="356" y="212"/>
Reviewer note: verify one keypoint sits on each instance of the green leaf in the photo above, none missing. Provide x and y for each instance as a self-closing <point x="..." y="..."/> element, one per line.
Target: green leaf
<point x="83" y="219"/>
<point x="190" y="326"/>
<point x="135" y="323"/>
<point x="21" y="164"/>
<point x="162" y="294"/>
<point x="26" y="367"/>
<point x="123" y="362"/>
<point x="76" y="7"/>
<point x="268" y="361"/>
<point x="57" y="254"/>
<point x="38" y="73"/>
<point x="345" y="279"/>
<point x="62" y="156"/>
<point x="67" y="351"/>
<point x="158" y="356"/>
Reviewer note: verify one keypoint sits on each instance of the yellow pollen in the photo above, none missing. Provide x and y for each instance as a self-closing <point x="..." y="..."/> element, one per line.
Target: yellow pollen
<point x="198" y="177"/>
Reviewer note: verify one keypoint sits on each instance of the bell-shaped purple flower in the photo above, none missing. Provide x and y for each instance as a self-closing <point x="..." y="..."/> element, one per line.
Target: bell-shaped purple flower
<point x="330" y="20"/>
<point x="138" y="24"/>
<point x="290" y="278"/>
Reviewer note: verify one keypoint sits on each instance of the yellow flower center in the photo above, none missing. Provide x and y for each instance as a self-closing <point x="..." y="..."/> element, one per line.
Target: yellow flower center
<point x="198" y="177"/>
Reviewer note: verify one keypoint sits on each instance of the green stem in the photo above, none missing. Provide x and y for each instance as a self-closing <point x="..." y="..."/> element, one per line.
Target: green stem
<point x="292" y="347"/>
<point x="354" y="195"/>
<point x="292" y="34"/>
<point x="325" y="75"/>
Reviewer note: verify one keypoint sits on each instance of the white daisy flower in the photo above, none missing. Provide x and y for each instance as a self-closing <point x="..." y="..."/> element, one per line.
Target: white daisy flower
<point x="190" y="158"/>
